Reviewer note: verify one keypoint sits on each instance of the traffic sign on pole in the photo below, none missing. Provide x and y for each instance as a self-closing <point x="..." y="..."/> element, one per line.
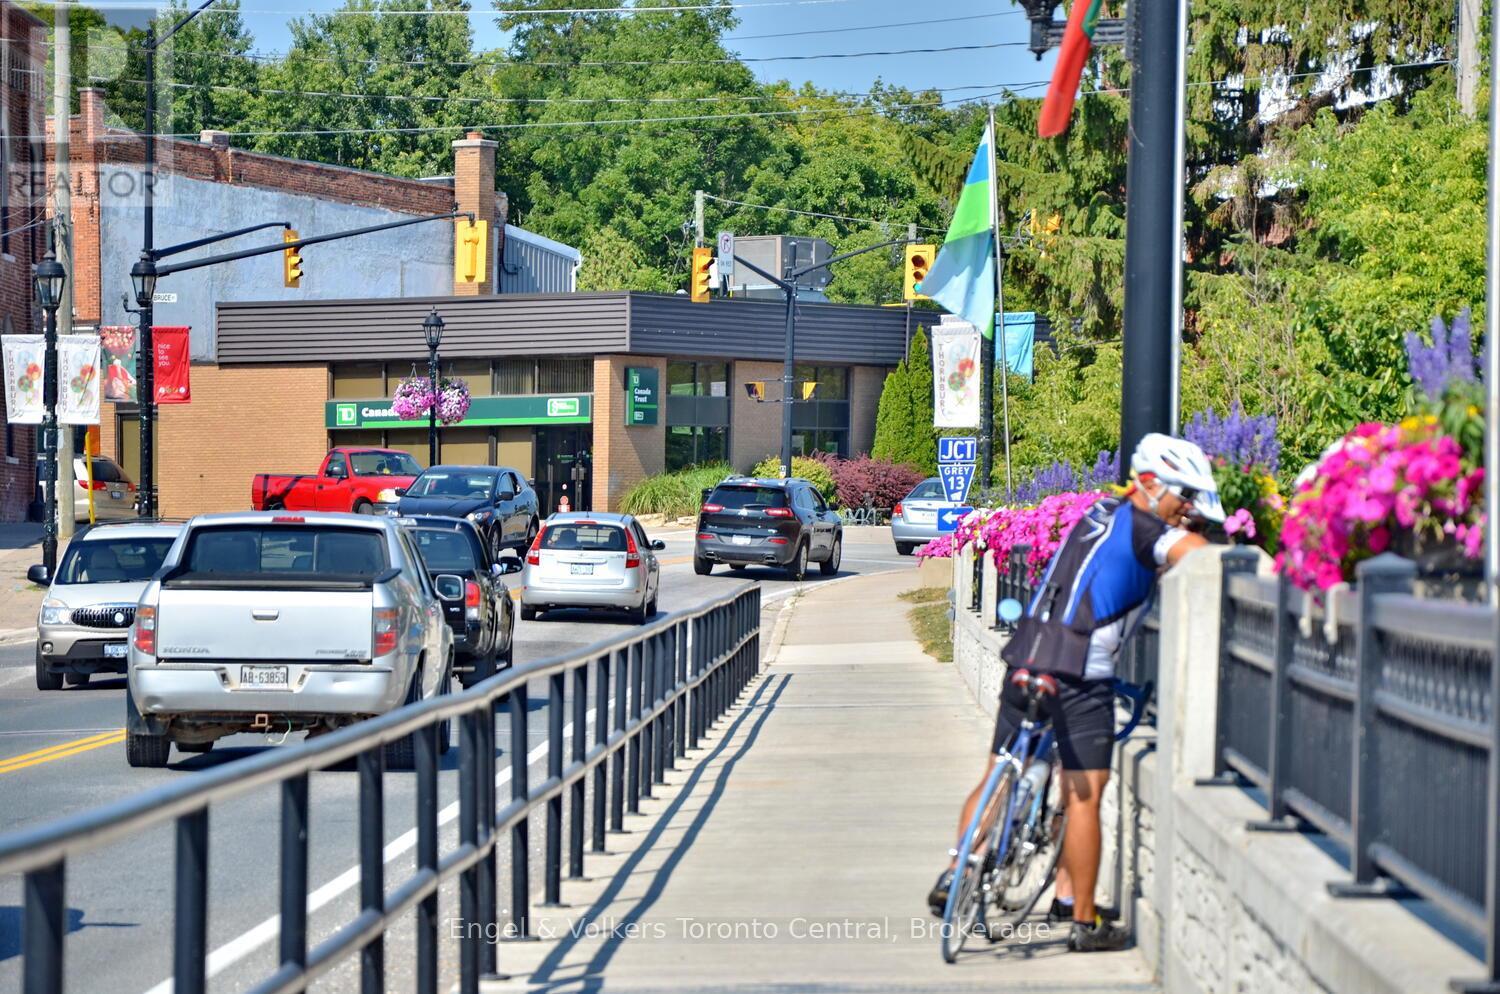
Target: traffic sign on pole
<point x="957" y="449"/>
<point x="949" y="518"/>
<point x="956" y="456"/>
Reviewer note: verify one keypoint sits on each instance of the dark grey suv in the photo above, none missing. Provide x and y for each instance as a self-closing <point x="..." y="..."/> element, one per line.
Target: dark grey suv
<point x="767" y="522"/>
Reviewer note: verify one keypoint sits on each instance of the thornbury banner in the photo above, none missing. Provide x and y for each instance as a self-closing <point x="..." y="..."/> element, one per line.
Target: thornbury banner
<point x="955" y="374"/>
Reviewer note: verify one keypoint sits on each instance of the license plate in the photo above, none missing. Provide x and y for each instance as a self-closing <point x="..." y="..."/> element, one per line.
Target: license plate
<point x="114" y="650"/>
<point x="739" y="539"/>
<point x="581" y="569"/>
<point x="117" y="495"/>
<point x="264" y="677"/>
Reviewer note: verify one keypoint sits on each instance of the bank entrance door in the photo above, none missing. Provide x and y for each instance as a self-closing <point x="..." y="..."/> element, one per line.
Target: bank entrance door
<point x="564" y="465"/>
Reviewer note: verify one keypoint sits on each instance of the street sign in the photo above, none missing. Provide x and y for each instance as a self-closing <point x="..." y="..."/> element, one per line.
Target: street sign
<point x="948" y="519"/>
<point x="956" y="455"/>
<point x="161" y="297"/>
<point x="726" y="255"/>
<point x="956" y="477"/>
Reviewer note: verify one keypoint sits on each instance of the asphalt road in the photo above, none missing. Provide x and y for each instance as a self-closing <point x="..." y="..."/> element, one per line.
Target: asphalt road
<point x="62" y="752"/>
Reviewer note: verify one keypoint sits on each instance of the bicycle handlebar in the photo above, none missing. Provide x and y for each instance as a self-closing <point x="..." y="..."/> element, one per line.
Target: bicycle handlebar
<point x="1139" y="695"/>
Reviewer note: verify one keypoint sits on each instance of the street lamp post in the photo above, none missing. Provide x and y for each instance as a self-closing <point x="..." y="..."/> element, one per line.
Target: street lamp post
<point x="143" y="281"/>
<point x="432" y="329"/>
<point x="48" y="280"/>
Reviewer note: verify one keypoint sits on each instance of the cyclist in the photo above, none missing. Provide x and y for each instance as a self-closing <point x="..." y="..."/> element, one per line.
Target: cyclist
<point x="1073" y="628"/>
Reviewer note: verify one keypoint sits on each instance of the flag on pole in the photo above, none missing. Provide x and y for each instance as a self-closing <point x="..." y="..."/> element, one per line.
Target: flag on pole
<point x="963" y="277"/>
<point x="1078" y="38"/>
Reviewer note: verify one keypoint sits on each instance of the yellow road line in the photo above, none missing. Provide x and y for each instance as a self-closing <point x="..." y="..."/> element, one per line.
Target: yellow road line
<point x="61" y="751"/>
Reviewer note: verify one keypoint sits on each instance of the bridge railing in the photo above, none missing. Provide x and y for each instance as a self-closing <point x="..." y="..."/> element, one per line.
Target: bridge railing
<point x="654" y="695"/>
<point x="1373" y="718"/>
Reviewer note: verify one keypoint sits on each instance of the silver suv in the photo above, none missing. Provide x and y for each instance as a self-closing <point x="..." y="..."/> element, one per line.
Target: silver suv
<point x="83" y="627"/>
<point x="281" y="622"/>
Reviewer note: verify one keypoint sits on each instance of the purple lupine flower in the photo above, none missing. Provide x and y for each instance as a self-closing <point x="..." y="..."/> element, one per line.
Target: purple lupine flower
<point x="1239" y="439"/>
<point x="1448" y="360"/>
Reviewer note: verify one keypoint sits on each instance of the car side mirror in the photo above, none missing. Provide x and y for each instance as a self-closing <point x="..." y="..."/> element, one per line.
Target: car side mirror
<point x="449" y="587"/>
<point x="506" y="495"/>
<point x="507" y="566"/>
<point x="657" y="545"/>
<point x="336" y="472"/>
<point x="400" y="491"/>
<point x="38" y="575"/>
<point x="706" y="492"/>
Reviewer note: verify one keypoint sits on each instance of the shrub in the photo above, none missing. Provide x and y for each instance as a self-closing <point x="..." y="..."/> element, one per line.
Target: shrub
<point x="814" y="471"/>
<point x="886" y="482"/>
<point x="674" y="494"/>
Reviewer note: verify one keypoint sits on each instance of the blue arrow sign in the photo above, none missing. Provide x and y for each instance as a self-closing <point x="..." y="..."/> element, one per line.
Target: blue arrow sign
<point x="957" y="449"/>
<point x="949" y="518"/>
<point x="956" y="479"/>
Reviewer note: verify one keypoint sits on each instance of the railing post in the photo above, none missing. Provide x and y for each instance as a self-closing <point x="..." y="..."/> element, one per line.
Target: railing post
<point x="1492" y="819"/>
<point x="580" y="750"/>
<point x="552" y="881"/>
<point x="1385" y="574"/>
<point x="371" y="766"/>
<point x="661" y="738"/>
<point x="620" y="665"/>
<point x="426" y="770"/>
<point x="633" y="749"/>
<point x="42" y="932"/>
<point x="680" y="709"/>
<point x="292" y="946"/>
<point x="601" y="736"/>
<point x="468" y="834"/>
<point x="695" y="672"/>
<point x="1023" y="579"/>
<point x="1281" y="696"/>
<point x="1236" y="562"/>
<point x="520" y="832"/>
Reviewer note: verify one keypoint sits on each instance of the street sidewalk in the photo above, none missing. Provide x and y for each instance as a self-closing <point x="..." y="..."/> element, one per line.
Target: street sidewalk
<point x="20" y="548"/>
<point x="794" y="851"/>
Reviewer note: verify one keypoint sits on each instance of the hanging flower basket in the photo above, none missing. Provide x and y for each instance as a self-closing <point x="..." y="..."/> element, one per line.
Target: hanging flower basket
<point x="413" y="399"/>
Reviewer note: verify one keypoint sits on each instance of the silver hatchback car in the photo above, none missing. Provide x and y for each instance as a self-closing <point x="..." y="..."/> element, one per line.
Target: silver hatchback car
<point x="914" y="519"/>
<point x="593" y="561"/>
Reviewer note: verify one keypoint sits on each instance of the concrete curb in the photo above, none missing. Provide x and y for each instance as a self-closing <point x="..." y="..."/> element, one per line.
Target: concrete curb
<point x="17" y="636"/>
<point x="778" y="630"/>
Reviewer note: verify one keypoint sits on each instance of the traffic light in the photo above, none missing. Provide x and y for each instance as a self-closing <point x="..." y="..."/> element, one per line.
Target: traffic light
<point x="703" y="261"/>
<point x="1044" y="232"/>
<point x="756" y="390"/>
<point x="918" y="261"/>
<point x="291" y="261"/>
<point x="470" y="250"/>
<point x="808" y="389"/>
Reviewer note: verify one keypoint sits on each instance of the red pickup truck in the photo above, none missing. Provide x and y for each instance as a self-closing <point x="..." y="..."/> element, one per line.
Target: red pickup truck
<point x="350" y="479"/>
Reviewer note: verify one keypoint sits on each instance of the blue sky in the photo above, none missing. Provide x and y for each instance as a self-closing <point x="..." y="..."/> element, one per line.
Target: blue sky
<point x="985" y="67"/>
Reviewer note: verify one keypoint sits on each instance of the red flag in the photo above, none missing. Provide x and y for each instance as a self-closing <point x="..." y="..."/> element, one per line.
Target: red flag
<point x="1057" y="109"/>
<point x="173" y="352"/>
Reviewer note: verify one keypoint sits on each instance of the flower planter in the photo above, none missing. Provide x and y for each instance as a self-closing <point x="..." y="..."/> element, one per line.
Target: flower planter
<point x="1444" y="572"/>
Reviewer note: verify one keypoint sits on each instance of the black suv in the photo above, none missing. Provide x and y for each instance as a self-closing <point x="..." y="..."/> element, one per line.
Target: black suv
<point x="785" y="523"/>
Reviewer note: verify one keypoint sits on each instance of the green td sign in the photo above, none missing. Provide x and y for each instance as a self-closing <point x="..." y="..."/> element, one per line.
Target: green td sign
<point x="542" y="409"/>
<point x="642" y="389"/>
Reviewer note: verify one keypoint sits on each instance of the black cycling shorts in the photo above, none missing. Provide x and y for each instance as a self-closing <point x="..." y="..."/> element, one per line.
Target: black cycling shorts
<point x="1083" y="716"/>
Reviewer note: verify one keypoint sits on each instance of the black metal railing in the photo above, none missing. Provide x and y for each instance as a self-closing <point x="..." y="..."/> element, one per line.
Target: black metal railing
<point x="1139" y="654"/>
<point x="976" y="581"/>
<point x="1372" y="717"/>
<point x="654" y="695"/>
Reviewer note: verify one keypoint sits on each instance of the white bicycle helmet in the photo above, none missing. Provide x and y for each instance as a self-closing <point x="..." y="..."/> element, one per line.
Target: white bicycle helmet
<point x="1183" y="468"/>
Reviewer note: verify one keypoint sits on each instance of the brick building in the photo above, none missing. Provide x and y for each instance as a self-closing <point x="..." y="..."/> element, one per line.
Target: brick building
<point x="22" y="236"/>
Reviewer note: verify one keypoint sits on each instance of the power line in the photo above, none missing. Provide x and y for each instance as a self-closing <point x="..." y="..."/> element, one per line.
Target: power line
<point x="501" y="12"/>
<point x="832" y="217"/>
<point x="875" y="27"/>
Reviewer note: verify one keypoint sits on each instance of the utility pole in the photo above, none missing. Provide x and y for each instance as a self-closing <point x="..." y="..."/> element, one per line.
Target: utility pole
<point x="62" y="223"/>
<point x="698" y="218"/>
<point x="1153" y="223"/>
<point x="1468" y="55"/>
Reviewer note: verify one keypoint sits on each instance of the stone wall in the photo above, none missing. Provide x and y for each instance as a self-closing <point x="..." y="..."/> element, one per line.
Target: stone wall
<point x="1215" y="907"/>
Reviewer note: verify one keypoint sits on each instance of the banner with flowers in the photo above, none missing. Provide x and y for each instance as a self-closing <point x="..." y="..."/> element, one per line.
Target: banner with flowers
<point x="78" y="379"/>
<point x="955" y="375"/>
<point x="24" y="357"/>
<point x="118" y="341"/>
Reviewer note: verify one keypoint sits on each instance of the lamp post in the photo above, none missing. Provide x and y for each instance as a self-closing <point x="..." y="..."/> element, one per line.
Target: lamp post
<point x="48" y="280"/>
<point x="143" y="280"/>
<point x="432" y="329"/>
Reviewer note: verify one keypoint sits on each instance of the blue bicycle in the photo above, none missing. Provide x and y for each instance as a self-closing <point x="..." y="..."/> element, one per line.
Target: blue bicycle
<point x="1008" y="855"/>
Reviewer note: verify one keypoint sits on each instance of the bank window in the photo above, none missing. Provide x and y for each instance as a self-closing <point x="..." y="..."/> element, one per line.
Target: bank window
<point x="565" y="375"/>
<point x="832" y="381"/>
<point x="698" y="379"/>
<point x="514" y="376"/>
<point x="358" y="381"/>
<point x="695" y="445"/>
<point x="834" y="441"/>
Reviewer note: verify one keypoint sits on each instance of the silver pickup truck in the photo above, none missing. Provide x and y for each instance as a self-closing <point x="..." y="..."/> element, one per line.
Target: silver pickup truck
<point x="275" y="623"/>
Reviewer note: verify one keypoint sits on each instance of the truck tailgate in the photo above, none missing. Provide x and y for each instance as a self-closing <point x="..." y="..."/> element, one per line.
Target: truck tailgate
<point x="302" y="625"/>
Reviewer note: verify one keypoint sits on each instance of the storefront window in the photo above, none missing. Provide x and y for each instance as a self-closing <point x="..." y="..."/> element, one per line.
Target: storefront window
<point x="694" y="445"/>
<point x="832" y="441"/>
<point x="514" y="376"/>
<point x="358" y="381"/>
<point x="832" y="381"/>
<point x="565" y="376"/>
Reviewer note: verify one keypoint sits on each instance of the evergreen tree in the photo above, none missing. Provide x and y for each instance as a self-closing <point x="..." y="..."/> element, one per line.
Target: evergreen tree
<point x="903" y="421"/>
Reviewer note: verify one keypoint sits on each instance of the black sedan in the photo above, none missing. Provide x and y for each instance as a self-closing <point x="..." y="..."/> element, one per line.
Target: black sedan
<point x="484" y="621"/>
<point x="497" y="500"/>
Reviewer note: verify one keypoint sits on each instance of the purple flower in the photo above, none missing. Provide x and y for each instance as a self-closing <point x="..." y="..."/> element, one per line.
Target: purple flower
<point x="1447" y="361"/>
<point x="1239" y="439"/>
<point x="1063" y="477"/>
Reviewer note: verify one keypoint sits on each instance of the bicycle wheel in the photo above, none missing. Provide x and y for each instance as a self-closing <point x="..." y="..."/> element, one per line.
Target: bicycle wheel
<point x="1027" y="870"/>
<point x="964" y="915"/>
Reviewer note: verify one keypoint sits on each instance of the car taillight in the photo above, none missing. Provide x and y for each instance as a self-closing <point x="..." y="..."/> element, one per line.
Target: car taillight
<point x="145" y="630"/>
<point x="632" y="554"/>
<point x="471" y="594"/>
<point x="98" y="485"/>
<point x="387" y="630"/>
<point x="288" y="519"/>
<point x="712" y="508"/>
<point x="896" y="511"/>
<point x="705" y="536"/>
<point x="534" y="554"/>
<point x="779" y="512"/>
<point x="777" y="541"/>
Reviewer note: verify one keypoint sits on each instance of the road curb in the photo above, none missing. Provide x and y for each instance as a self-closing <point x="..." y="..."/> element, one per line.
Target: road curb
<point x="16" y="636"/>
<point x="778" y="630"/>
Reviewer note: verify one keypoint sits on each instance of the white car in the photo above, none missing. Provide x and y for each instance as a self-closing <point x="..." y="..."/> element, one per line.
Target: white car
<point x="83" y="627"/>
<point x="114" y="492"/>
<point x="589" y="560"/>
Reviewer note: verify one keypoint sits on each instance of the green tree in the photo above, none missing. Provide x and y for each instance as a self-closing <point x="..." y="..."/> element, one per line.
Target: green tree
<point x="903" y="420"/>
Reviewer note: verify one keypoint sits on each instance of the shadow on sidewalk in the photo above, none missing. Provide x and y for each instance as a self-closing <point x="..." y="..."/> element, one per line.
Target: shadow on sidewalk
<point x="592" y="978"/>
<point x="20" y="535"/>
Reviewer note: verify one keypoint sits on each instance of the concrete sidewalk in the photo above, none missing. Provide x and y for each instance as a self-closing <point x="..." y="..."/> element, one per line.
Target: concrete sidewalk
<point x="795" y="850"/>
<point x="20" y="548"/>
